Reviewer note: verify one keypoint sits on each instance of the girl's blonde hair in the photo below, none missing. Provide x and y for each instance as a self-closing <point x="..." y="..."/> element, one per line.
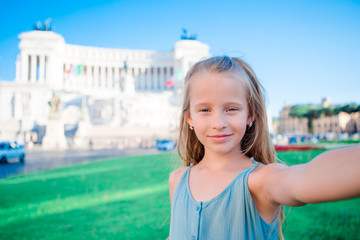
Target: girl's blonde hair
<point x="256" y="141"/>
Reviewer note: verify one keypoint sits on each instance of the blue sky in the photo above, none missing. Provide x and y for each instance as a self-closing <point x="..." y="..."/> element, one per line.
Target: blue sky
<point x="301" y="51"/>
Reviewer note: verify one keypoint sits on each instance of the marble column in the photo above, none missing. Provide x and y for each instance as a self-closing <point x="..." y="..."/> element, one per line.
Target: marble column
<point x="166" y="74"/>
<point x="66" y="75"/>
<point x="24" y="67"/>
<point x="102" y="77"/>
<point x="96" y="77"/>
<point x="151" y="78"/>
<point x="72" y="75"/>
<point x="41" y="69"/>
<point x="162" y="77"/>
<point x="141" y="78"/>
<point x="122" y="76"/>
<point x="88" y="77"/>
<point x="137" y="78"/>
<point x="46" y="69"/>
<point x="116" y="78"/>
<point x="147" y="78"/>
<point x="110" y="76"/>
<point x="33" y="68"/>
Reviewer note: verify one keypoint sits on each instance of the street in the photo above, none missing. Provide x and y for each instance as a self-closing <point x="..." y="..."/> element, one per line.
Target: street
<point x="39" y="160"/>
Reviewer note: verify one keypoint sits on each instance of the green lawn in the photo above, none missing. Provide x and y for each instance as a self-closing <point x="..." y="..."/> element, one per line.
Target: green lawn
<point x="127" y="198"/>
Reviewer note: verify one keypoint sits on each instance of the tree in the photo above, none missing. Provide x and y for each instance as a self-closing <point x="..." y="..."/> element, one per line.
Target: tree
<point x="348" y="108"/>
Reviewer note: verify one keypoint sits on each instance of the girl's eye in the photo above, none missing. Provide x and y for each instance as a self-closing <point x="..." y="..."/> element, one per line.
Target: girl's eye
<point x="231" y="109"/>
<point x="204" y="110"/>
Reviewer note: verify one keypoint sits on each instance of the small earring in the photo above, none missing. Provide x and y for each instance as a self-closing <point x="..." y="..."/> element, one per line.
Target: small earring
<point x="250" y="124"/>
<point x="191" y="127"/>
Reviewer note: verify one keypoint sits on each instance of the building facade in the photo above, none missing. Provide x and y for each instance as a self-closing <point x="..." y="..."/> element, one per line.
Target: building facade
<point x="131" y="92"/>
<point x="340" y="123"/>
<point x="291" y="125"/>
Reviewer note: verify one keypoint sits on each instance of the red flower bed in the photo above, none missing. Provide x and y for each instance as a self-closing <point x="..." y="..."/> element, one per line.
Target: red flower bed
<point x="280" y="148"/>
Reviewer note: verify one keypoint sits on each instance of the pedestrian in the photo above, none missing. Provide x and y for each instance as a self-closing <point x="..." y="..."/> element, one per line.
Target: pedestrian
<point x="232" y="187"/>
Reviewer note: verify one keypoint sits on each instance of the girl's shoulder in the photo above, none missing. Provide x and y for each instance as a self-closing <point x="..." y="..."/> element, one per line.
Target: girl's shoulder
<point x="266" y="170"/>
<point x="175" y="176"/>
<point x="174" y="179"/>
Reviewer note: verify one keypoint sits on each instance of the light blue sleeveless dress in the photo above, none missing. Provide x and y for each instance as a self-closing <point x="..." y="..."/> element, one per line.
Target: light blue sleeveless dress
<point x="230" y="215"/>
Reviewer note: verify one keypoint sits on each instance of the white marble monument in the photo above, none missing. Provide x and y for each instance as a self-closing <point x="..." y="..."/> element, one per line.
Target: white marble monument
<point x="54" y="138"/>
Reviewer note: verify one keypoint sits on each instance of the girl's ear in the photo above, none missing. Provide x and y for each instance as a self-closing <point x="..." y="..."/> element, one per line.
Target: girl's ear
<point x="189" y="119"/>
<point x="250" y="120"/>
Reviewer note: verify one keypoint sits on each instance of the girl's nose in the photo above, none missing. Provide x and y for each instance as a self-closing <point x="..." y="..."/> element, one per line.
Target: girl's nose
<point x="219" y="121"/>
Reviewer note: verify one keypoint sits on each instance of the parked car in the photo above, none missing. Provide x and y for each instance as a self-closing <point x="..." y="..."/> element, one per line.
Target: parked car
<point x="293" y="140"/>
<point x="10" y="151"/>
<point x="165" y="144"/>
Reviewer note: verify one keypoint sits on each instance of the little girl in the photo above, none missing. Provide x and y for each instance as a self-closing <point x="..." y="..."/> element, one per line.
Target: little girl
<point x="232" y="187"/>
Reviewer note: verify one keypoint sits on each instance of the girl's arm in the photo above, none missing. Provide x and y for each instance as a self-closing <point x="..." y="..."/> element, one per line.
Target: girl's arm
<point x="331" y="176"/>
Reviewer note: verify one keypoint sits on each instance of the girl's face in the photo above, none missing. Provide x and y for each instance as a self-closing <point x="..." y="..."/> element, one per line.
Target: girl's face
<point x="218" y="111"/>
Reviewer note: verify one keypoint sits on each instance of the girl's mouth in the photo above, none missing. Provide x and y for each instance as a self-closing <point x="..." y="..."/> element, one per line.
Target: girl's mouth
<point x="220" y="138"/>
